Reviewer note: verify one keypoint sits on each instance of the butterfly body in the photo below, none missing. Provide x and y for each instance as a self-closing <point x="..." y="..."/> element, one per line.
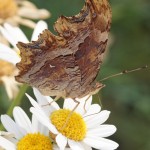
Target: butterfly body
<point x="67" y="65"/>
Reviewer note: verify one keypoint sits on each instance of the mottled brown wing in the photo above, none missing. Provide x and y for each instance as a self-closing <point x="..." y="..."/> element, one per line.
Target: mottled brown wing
<point x="67" y="64"/>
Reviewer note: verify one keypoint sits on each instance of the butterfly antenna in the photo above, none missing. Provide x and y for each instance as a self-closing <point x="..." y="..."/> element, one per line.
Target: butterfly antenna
<point x="124" y="72"/>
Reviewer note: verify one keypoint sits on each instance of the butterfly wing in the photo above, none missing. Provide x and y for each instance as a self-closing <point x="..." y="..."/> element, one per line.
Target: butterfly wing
<point x="67" y="64"/>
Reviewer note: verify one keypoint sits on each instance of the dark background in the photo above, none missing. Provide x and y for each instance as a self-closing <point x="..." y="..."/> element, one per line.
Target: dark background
<point x="126" y="96"/>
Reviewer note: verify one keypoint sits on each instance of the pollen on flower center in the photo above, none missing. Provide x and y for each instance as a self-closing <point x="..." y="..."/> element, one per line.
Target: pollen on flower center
<point x="8" y="8"/>
<point x="7" y="68"/>
<point x="35" y="141"/>
<point x="75" y="127"/>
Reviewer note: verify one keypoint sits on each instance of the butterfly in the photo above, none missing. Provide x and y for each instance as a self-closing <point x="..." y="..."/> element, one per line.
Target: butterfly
<point x="67" y="64"/>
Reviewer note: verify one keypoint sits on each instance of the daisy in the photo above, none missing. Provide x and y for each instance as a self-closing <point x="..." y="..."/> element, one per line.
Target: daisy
<point x="27" y="134"/>
<point x="20" y="12"/>
<point x="82" y="130"/>
<point x="10" y="56"/>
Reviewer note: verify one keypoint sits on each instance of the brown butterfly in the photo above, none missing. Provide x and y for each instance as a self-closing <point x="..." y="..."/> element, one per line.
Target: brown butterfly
<point x="67" y="64"/>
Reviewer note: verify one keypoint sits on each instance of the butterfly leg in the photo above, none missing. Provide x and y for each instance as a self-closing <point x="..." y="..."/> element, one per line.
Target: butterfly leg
<point x="70" y="113"/>
<point x="54" y="100"/>
<point x="85" y="103"/>
<point x="57" y="98"/>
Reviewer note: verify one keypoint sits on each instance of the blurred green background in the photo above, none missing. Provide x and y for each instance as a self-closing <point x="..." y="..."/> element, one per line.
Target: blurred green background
<point x="126" y="96"/>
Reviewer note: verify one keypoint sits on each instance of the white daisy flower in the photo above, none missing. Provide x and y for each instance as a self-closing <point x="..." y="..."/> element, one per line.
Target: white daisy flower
<point x="83" y="130"/>
<point x="21" y="12"/>
<point x="10" y="56"/>
<point x="27" y="134"/>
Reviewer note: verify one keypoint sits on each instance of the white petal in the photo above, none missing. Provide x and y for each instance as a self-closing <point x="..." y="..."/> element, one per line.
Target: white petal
<point x="86" y="147"/>
<point x="100" y="143"/>
<point x="38" y="127"/>
<point x="16" y="33"/>
<point x="39" y="97"/>
<point x="102" y="131"/>
<point x="69" y="104"/>
<point x="8" y="54"/>
<point x="94" y="109"/>
<point x="12" y="127"/>
<point x="82" y="107"/>
<point x="55" y="147"/>
<point x="22" y="119"/>
<point x="35" y="124"/>
<point x="40" y="26"/>
<point x="6" y="144"/>
<point x="87" y="98"/>
<point x="61" y="141"/>
<point x="41" y="116"/>
<point x="45" y="100"/>
<point x="44" y="120"/>
<point x="52" y="102"/>
<point x="33" y="12"/>
<point x="11" y="86"/>
<point x="75" y="145"/>
<point x="9" y="37"/>
<point x="44" y="130"/>
<point x="34" y="103"/>
<point x="20" y="36"/>
<point x="97" y="119"/>
<point x="44" y="110"/>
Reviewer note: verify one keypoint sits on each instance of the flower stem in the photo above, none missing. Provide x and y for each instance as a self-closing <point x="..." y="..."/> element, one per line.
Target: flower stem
<point x="16" y="101"/>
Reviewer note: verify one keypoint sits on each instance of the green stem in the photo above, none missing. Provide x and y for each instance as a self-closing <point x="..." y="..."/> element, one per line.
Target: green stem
<point x="16" y="101"/>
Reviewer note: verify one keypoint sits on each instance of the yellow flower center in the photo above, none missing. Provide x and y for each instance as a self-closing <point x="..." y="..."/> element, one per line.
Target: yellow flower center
<point x="8" y="8"/>
<point x="73" y="128"/>
<point x="6" y="69"/>
<point x="34" y="141"/>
